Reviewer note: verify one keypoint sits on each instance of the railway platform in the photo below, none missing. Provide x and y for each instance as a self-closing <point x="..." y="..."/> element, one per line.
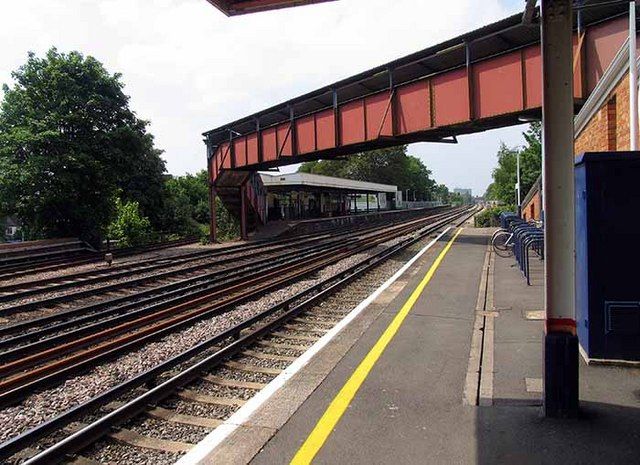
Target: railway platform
<point x="288" y="228"/>
<point x="444" y="366"/>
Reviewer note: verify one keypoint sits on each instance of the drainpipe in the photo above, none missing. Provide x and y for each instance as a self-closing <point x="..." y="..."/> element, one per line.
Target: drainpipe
<point x="633" y="80"/>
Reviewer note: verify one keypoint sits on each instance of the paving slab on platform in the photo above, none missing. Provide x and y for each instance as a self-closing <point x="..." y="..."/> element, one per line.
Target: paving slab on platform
<point x="518" y="332"/>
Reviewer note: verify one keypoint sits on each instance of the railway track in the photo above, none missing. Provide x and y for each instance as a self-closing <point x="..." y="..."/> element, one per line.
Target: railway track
<point x="25" y="368"/>
<point x="60" y="263"/>
<point x="41" y="264"/>
<point x="122" y="296"/>
<point x="262" y="345"/>
<point x="18" y="297"/>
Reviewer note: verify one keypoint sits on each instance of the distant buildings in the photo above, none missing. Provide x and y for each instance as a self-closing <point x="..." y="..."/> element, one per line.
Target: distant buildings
<point x="463" y="192"/>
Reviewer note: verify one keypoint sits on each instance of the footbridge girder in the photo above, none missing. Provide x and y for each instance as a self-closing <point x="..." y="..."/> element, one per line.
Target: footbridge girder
<point x="484" y="79"/>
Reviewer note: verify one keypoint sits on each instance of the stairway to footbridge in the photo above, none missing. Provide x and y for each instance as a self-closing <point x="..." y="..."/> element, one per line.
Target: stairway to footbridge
<point x="485" y="79"/>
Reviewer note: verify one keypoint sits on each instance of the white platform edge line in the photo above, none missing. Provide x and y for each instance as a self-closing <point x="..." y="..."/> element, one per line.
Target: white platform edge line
<point x="218" y="435"/>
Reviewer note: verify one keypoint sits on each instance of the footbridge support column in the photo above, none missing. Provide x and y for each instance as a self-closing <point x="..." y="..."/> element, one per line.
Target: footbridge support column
<point x="561" y="344"/>
<point x="243" y="211"/>
<point x="213" y="223"/>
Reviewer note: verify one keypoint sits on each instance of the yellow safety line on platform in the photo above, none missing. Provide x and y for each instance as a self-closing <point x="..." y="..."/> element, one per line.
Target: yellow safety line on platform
<point x="339" y="404"/>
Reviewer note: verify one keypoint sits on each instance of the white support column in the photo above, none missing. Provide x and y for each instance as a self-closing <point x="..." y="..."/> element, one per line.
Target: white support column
<point x="561" y="345"/>
<point x="633" y="80"/>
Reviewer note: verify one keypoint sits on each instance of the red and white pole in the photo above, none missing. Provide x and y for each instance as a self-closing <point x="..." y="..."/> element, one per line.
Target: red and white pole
<point x="561" y="343"/>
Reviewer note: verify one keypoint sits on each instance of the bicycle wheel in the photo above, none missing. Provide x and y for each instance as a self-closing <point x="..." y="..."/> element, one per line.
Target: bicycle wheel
<point x="496" y="232"/>
<point x="501" y="245"/>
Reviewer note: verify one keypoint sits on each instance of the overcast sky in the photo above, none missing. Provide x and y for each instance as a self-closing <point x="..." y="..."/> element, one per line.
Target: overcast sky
<point x="188" y="68"/>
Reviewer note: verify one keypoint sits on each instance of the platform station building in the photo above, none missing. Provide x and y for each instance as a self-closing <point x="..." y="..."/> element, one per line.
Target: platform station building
<point x="299" y="196"/>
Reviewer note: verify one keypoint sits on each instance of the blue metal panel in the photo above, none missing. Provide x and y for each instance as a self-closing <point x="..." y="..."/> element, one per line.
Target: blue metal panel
<point x="582" y="258"/>
<point x="608" y="254"/>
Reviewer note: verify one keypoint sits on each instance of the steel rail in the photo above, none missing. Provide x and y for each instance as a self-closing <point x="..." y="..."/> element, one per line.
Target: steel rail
<point x="64" y="298"/>
<point x="55" y="263"/>
<point x="21" y="307"/>
<point x="111" y="287"/>
<point x="202" y="254"/>
<point x="29" y="361"/>
<point x="133" y="251"/>
<point x="103" y="426"/>
<point x="166" y="295"/>
<point x="239" y="275"/>
<point x="73" y="444"/>
<point x="48" y="379"/>
<point x="29" y="288"/>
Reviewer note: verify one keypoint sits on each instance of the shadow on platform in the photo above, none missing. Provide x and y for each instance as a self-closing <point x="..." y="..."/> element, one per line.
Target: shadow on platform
<point x="604" y="433"/>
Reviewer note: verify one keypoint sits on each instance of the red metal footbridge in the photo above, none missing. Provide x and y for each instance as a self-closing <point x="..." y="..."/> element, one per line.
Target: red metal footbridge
<point x="485" y="79"/>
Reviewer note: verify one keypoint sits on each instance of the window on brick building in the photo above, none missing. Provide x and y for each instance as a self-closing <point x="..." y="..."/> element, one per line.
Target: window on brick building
<point x="611" y="124"/>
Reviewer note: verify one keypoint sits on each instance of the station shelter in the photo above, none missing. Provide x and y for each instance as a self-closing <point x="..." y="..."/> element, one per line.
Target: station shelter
<point x="299" y="196"/>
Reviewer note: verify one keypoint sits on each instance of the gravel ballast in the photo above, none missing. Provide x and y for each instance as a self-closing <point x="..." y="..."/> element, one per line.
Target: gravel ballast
<point x="42" y="406"/>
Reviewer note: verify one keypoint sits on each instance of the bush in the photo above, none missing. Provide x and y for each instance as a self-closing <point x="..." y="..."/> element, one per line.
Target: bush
<point x="129" y="227"/>
<point x="489" y="217"/>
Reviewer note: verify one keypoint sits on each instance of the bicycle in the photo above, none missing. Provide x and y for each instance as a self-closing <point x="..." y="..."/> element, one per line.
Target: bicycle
<point x="502" y="243"/>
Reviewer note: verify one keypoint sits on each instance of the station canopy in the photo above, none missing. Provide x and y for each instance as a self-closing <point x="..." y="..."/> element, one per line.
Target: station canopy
<point x="241" y="7"/>
<point x="309" y="181"/>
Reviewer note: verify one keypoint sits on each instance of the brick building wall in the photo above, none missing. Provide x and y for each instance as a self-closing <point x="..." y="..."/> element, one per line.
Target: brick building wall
<point x="608" y="128"/>
<point x="532" y="208"/>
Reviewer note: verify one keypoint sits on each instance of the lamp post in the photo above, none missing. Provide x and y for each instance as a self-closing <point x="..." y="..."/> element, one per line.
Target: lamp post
<point x="518" y="183"/>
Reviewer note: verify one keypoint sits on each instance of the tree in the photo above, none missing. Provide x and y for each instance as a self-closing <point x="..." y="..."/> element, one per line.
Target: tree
<point x="129" y="227"/>
<point x="441" y="193"/>
<point x="187" y="210"/>
<point x="68" y="144"/>
<point x="386" y="166"/>
<point x="504" y="175"/>
<point x="187" y="203"/>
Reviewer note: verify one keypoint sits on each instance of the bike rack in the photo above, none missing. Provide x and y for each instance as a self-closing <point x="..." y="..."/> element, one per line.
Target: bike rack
<point x="526" y="237"/>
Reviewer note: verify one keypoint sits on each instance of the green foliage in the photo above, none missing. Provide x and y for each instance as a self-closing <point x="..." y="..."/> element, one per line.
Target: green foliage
<point x="490" y="216"/>
<point x="504" y="175"/>
<point x="186" y="203"/>
<point x="441" y="192"/>
<point x="456" y="199"/>
<point x="68" y="144"/>
<point x="228" y="226"/>
<point x="129" y="227"/>
<point x="386" y="166"/>
<point x="187" y="208"/>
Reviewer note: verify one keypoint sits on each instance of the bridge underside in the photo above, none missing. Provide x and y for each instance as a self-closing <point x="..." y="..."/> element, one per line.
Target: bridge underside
<point x="241" y="7"/>
<point x="485" y="79"/>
